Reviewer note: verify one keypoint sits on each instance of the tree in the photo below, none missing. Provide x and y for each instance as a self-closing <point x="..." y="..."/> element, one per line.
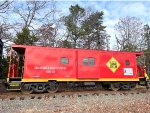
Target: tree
<point x="95" y="36"/>
<point x="38" y="16"/>
<point x="73" y="23"/>
<point x="5" y="27"/>
<point x="129" y="34"/>
<point x="86" y="28"/>
<point x="147" y="36"/>
<point x="46" y="34"/>
<point x="30" y="11"/>
<point x="4" y="67"/>
<point x="25" y="37"/>
<point x="65" y="43"/>
<point x="5" y="33"/>
<point x="4" y="6"/>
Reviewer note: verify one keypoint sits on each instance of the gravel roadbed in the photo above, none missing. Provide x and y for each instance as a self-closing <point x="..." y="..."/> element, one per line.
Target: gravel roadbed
<point x="79" y="103"/>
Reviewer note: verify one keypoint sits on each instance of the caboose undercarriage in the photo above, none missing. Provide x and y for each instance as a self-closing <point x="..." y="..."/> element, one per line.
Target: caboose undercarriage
<point x="17" y="81"/>
<point x="53" y="86"/>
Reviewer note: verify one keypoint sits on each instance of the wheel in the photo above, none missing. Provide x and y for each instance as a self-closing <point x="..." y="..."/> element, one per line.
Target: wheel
<point x="126" y="86"/>
<point x="99" y="86"/>
<point x="114" y="86"/>
<point x="52" y="87"/>
<point x="105" y="86"/>
<point x="133" y="86"/>
<point x="39" y="87"/>
<point x="26" y="88"/>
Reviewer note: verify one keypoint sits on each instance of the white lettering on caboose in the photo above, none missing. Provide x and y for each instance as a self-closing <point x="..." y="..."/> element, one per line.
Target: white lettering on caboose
<point x="49" y="68"/>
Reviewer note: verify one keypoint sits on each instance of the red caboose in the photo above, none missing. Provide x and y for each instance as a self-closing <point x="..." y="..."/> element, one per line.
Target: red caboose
<point x="43" y="68"/>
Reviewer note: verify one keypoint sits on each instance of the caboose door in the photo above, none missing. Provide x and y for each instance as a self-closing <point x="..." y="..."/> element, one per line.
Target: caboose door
<point x="88" y="64"/>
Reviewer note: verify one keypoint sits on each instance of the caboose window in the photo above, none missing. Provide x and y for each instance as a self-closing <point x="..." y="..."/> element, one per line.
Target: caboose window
<point x="85" y="61"/>
<point x="91" y="61"/>
<point x="127" y="62"/>
<point x="88" y="61"/>
<point x="64" y="61"/>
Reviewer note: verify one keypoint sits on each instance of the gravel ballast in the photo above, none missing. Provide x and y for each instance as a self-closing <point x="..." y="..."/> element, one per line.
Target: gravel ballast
<point x="78" y="103"/>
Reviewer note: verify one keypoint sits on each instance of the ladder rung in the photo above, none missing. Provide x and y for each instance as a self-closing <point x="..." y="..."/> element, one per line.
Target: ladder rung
<point x="13" y="89"/>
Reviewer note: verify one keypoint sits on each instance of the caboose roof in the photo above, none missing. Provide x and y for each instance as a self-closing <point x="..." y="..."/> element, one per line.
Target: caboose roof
<point x="22" y="47"/>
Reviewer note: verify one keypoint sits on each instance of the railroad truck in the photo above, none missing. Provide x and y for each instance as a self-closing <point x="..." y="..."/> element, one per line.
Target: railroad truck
<point x="39" y="69"/>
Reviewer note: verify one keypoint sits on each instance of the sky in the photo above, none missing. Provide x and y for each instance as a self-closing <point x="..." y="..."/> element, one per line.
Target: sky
<point x="113" y="11"/>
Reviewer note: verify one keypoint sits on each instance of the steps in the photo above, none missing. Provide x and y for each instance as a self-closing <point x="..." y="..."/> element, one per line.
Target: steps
<point x="14" y="85"/>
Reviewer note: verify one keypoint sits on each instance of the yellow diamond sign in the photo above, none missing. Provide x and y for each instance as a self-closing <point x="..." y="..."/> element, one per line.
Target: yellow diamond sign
<point x="113" y="64"/>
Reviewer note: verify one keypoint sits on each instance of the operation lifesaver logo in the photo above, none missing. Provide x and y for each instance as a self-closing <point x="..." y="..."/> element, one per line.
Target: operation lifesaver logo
<point x="113" y="64"/>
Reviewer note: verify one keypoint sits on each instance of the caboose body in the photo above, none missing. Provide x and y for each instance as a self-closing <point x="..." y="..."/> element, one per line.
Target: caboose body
<point x="38" y="69"/>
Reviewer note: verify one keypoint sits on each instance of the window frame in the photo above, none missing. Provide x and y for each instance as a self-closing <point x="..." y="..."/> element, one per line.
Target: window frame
<point x="89" y="61"/>
<point x="127" y="62"/>
<point x="85" y="63"/>
<point x="93" y="62"/>
<point x="64" y="62"/>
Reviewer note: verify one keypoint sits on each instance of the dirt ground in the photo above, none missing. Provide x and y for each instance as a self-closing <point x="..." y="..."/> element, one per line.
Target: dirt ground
<point x="78" y="103"/>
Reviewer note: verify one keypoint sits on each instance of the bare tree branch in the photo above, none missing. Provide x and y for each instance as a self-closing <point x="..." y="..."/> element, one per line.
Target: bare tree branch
<point x="129" y="30"/>
<point x="30" y="11"/>
<point x="5" y="5"/>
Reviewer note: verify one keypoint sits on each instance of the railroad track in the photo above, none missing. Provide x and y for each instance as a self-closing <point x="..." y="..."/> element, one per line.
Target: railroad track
<point x="72" y="93"/>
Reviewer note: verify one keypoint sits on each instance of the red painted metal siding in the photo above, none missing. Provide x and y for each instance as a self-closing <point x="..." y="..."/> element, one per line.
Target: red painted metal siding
<point x="121" y="57"/>
<point x="45" y="63"/>
<point x="88" y="71"/>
